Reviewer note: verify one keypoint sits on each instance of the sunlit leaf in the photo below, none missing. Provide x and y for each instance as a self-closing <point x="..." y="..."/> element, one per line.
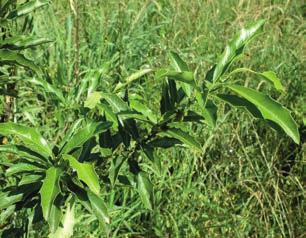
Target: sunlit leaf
<point x="235" y="48"/>
<point x="28" y="135"/>
<point x="85" y="172"/>
<point x="270" y="110"/>
<point x="179" y="65"/>
<point x="84" y="134"/>
<point x="92" y="100"/>
<point x="49" y="190"/>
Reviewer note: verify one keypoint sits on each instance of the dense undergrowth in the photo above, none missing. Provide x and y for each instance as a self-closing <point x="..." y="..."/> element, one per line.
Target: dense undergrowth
<point x="247" y="180"/>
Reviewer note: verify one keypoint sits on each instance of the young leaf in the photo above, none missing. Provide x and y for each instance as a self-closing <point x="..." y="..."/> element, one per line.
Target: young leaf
<point x="179" y="65"/>
<point x="84" y="134"/>
<point x="235" y="48"/>
<point x="28" y="135"/>
<point x="85" y="172"/>
<point x="49" y="190"/>
<point x="182" y="136"/>
<point x="145" y="190"/>
<point x="270" y="110"/>
<point x="98" y="207"/>
<point x="272" y="78"/>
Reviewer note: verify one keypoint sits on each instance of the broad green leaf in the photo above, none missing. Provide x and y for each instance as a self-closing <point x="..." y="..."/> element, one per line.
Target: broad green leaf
<point x="71" y="131"/>
<point x="182" y="136"/>
<point x="208" y="108"/>
<point x="179" y="65"/>
<point x="98" y="207"/>
<point x="235" y="48"/>
<point x="28" y="135"/>
<point x="210" y="113"/>
<point x="54" y="217"/>
<point x="7" y="199"/>
<point x="132" y="115"/>
<point x="23" y="42"/>
<point x="109" y="114"/>
<point x="84" y="134"/>
<point x="13" y="57"/>
<point x="30" y="178"/>
<point x="131" y="78"/>
<point x="22" y="152"/>
<point x="115" y="102"/>
<point x="143" y="109"/>
<point x="184" y="76"/>
<point x="80" y="194"/>
<point x="92" y="100"/>
<point x="21" y="167"/>
<point x="236" y="101"/>
<point x="270" y="110"/>
<point x="66" y="230"/>
<point x="145" y="190"/>
<point x="49" y="190"/>
<point x="94" y="77"/>
<point x="85" y="172"/>
<point x="272" y="78"/>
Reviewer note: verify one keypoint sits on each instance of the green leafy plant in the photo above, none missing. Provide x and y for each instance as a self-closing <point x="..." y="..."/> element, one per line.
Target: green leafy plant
<point x="120" y="133"/>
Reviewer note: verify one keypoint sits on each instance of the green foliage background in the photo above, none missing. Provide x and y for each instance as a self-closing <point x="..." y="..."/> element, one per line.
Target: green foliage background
<point x="250" y="182"/>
